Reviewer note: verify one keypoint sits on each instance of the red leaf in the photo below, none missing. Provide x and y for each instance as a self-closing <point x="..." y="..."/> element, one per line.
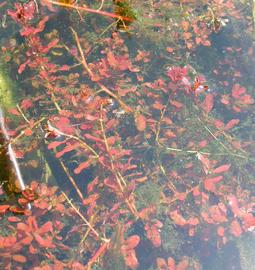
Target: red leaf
<point x="181" y="196"/>
<point x="92" y="184"/>
<point x="161" y="264"/>
<point x="196" y="192"/>
<point x="19" y="154"/>
<point x="169" y="49"/>
<point x="44" y="242"/>
<point x="231" y="124"/>
<point x="176" y="104"/>
<point x="118" y="153"/>
<point x="249" y="221"/>
<point x="46" y="227"/>
<point x="17" y="210"/>
<point x="153" y="234"/>
<point x="23" y="66"/>
<point x="27" y="240"/>
<point x="132" y="242"/>
<point x="193" y="221"/>
<point x="155" y="238"/>
<point x="225" y="99"/>
<point x="55" y="144"/>
<point x="220" y="231"/>
<point x="91" y="199"/>
<point x="98" y="253"/>
<point x="8" y="242"/>
<point x="14" y="111"/>
<point x="207" y="105"/>
<point x="113" y="62"/>
<point x="82" y="166"/>
<point x="111" y="123"/>
<point x="177" y="218"/>
<point x="203" y="143"/>
<point x="93" y="138"/>
<point x="111" y="184"/>
<point x="28" y="30"/>
<point x="63" y="124"/>
<point x="218" y="124"/>
<point x="168" y="120"/>
<point x="221" y="169"/>
<point x="67" y="149"/>
<point x="235" y="228"/>
<point x="177" y="73"/>
<point x="237" y="91"/>
<point x="22" y="227"/>
<point x="130" y="259"/>
<point x="28" y="132"/>
<point x="26" y="104"/>
<point x="140" y="122"/>
<point x="246" y="100"/>
<point x="183" y="265"/>
<point x="64" y="67"/>
<point x="233" y="202"/>
<point x="171" y="263"/>
<point x="158" y="106"/>
<point x="19" y="258"/>
<point x="141" y="179"/>
<point x="3" y="208"/>
<point x="205" y="162"/>
<point x="29" y="194"/>
<point x="45" y="49"/>
<point x="169" y="134"/>
<point x="32" y="249"/>
<point x="209" y="183"/>
<point x="13" y="219"/>
<point x="217" y="214"/>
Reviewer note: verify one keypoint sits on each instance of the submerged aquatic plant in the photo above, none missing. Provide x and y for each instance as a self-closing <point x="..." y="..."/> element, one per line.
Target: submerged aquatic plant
<point x="146" y="151"/>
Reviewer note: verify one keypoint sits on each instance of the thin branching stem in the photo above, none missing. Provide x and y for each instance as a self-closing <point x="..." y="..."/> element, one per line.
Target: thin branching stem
<point x="72" y="181"/>
<point x="84" y="219"/>
<point x="76" y="138"/>
<point x="91" y="75"/>
<point x="118" y="176"/>
<point x="90" y="10"/>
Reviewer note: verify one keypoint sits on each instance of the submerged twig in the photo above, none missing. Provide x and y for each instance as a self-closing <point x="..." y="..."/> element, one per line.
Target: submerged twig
<point x="117" y="174"/>
<point x="91" y="75"/>
<point x="21" y="134"/>
<point x="90" y="10"/>
<point x="76" y="138"/>
<point x="22" y="114"/>
<point x="210" y="132"/>
<point x="71" y="180"/>
<point x="101" y="5"/>
<point x="84" y="219"/>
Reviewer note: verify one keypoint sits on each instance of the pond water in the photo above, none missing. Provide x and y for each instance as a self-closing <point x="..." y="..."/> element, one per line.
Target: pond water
<point x="127" y="135"/>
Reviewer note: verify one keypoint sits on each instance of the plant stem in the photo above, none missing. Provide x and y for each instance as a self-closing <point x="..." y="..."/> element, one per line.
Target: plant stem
<point x="90" y="10"/>
<point x="76" y="138"/>
<point x="118" y="176"/>
<point x="71" y="180"/>
<point x="84" y="219"/>
<point x="91" y="75"/>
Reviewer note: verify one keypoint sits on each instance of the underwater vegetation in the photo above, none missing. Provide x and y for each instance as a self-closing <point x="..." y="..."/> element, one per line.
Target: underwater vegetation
<point x="133" y="126"/>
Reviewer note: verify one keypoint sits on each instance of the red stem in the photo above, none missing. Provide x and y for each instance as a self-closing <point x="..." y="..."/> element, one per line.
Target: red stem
<point x="104" y="13"/>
